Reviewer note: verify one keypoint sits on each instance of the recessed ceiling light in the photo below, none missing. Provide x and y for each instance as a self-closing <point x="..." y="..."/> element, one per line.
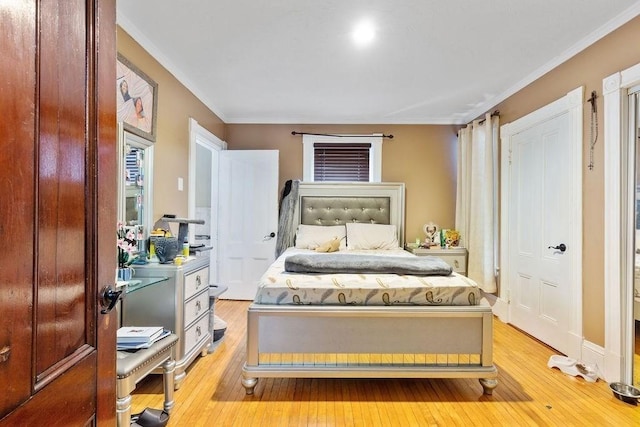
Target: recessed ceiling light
<point x="364" y="33"/>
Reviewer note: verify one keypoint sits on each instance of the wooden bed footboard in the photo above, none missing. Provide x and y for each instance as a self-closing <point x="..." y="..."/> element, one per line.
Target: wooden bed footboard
<point x="370" y="342"/>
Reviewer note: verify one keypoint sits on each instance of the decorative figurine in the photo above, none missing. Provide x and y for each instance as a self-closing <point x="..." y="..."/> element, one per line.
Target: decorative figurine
<point x="431" y="230"/>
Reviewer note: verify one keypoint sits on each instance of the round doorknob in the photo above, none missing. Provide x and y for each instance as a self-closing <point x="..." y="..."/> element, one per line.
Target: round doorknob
<point x="561" y="247"/>
<point x="109" y="298"/>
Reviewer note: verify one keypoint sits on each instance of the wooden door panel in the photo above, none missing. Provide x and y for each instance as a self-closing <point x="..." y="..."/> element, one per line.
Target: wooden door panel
<point x="103" y="240"/>
<point x="58" y="133"/>
<point x="61" y="217"/>
<point x="17" y="172"/>
<point x="78" y="408"/>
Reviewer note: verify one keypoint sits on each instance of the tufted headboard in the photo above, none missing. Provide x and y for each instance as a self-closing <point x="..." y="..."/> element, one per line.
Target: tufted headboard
<point x="340" y="210"/>
<point x="338" y="203"/>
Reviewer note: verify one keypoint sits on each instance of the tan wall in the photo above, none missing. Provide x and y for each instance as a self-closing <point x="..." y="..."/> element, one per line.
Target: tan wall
<point x="176" y="104"/>
<point x="616" y="52"/>
<point x="421" y="156"/>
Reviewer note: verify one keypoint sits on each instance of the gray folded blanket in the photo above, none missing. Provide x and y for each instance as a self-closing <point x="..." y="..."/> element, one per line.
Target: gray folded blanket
<point x="352" y="263"/>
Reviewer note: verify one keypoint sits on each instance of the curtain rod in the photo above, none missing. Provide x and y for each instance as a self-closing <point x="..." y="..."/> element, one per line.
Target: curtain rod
<point x="340" y="136"/>
<point x="495" y="113"/>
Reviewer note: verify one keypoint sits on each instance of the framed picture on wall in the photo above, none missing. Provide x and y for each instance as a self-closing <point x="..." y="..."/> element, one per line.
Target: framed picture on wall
<point x="136" y="99"/>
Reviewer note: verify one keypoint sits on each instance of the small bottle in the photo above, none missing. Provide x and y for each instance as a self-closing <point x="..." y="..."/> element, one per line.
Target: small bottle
<point x="185" y="249"/>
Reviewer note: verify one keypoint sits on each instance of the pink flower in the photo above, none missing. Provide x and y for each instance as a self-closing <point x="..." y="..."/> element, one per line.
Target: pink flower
<point x="126" y="244"/>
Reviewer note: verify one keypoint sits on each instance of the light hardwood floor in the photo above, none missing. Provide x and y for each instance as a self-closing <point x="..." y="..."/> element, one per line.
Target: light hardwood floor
<point x="528" y="392"/>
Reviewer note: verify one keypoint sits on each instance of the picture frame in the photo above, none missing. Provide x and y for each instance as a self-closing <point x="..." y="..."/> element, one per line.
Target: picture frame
<point x="137" y="99"/>
<point x="432" y="233"/>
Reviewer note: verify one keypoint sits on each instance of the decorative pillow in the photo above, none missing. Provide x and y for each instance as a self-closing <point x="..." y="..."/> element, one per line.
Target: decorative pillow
<point x="331" y="246"/>
<point x="371" y="236"/>
<point x="312" y="236"/>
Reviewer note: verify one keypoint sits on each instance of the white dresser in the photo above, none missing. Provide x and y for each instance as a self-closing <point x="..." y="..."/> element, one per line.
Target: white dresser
<point x="180" y="304"/>
<point x="455" y="257"/>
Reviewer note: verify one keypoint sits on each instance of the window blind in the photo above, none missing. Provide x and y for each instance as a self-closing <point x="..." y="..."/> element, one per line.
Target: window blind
<point x="132" y="166"/>
<point x="341" y="162"/>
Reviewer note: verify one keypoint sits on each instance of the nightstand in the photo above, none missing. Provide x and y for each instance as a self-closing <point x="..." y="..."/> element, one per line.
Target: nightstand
<point x="455" y="257"/>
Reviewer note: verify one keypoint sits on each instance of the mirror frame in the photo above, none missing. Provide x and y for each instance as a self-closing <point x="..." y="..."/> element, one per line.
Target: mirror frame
<point x="127" y="138"/>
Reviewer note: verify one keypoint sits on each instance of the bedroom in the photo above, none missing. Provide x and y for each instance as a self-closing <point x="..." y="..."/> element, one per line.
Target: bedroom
<point x="403" y="161"/>
<point x="409" y="158"/>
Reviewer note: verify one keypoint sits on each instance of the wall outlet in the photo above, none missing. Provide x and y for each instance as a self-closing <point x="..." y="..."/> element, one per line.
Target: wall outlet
<point x="180" y="184"/>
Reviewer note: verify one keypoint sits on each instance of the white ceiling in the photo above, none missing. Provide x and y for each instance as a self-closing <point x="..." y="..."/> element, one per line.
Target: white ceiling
<point x="431" y="62"/>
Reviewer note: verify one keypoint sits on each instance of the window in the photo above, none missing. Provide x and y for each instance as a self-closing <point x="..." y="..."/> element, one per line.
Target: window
<point x="342" y="158"/>
<point x="341" y="162"/>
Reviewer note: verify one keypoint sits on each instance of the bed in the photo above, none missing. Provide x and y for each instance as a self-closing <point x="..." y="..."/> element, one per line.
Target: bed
<point x="355" y="325"/>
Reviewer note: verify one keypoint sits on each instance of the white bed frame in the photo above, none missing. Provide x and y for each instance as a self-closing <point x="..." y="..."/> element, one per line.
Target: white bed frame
<point x="369" y="341"/>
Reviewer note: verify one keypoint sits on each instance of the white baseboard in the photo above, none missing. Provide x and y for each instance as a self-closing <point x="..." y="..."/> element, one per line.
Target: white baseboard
<point x="593" y="355"/>
<point x="500" y="308"/>
<point x="612" y="367"/>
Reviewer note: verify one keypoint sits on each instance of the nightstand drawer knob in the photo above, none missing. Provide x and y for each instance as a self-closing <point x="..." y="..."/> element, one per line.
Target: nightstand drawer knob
<point x="456" y="263"/>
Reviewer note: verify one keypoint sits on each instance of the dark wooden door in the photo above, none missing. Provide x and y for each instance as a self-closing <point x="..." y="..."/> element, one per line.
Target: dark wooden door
<point x="57" y="211"/>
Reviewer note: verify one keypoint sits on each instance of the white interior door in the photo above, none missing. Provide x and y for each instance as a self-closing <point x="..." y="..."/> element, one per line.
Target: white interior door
<point x="248" y="219"/>
<point x="541" y="215"/>
<point x="542" y="204"/>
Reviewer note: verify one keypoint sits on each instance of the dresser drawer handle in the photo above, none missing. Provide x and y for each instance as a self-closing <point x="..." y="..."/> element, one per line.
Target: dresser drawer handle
<point x="198" y="281"/>
<point x="198" y="307"/>
<point x="198" y="331"/>
<point x="456" y="263"/>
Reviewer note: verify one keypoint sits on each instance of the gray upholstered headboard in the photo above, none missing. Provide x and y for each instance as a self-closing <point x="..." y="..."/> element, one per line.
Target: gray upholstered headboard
<point x="340" y="210"/>
<point x="338" y="203"/>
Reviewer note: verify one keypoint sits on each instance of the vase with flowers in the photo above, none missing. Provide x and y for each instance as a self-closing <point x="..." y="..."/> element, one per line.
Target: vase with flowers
<point x="127" y="249"/>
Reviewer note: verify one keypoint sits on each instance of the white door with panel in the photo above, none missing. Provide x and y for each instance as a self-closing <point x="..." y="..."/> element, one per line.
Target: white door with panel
<point x="248" y="219"/>
<point x="544" y="242"/>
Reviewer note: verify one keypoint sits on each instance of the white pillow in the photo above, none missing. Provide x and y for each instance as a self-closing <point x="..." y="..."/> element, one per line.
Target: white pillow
<point x="312" y="236"/>
<point x="371" y="236"/>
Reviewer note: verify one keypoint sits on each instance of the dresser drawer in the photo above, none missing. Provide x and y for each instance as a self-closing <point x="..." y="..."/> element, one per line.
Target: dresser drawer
<point x="196" y="333"/>
<point x="457" y="262"/>
<point x="195" y="282"/>
<point x="195" y="307"/>
<point x="455" y="257"/>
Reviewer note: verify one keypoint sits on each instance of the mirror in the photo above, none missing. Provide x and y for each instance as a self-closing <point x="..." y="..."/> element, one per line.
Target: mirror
<point x="135" y="189"/>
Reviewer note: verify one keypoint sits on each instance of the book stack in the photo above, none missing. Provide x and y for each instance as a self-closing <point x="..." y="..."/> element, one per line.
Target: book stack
<point x="137" y="337"/>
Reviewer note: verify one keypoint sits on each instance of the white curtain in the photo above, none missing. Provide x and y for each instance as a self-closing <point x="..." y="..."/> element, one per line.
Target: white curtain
<point x="477" y="199"/>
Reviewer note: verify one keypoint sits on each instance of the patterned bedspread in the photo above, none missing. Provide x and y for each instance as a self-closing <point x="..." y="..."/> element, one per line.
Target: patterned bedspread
<point x="280" y="287"/>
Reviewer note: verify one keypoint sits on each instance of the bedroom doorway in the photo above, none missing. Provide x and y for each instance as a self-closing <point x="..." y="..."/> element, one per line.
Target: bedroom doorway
<point x="204" y="155"/>
<point x="620" y="179"/>
<point x="541" y="235"/>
